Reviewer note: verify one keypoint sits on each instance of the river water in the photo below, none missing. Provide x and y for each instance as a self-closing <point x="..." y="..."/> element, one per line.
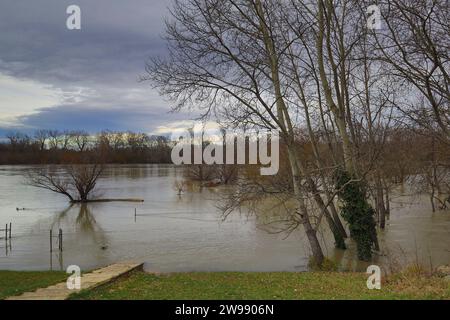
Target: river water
<point x="173" y="233"/>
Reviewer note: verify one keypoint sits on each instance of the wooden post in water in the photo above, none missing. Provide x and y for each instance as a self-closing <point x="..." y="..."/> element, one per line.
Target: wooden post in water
<point x="10" y="230"/>
<point x="6" y="232"/>
<point x="51" y="240"/>
<point x="60" y="240"/>
<point x="135" y="214"/>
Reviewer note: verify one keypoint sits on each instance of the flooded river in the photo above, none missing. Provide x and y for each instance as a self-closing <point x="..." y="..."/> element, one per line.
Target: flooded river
<point x="174" y="233"/>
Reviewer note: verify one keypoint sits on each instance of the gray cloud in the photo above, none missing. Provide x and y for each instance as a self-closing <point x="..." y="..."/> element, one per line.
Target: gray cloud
<point x="95" y="119"/>
<point x="95" y="68"/>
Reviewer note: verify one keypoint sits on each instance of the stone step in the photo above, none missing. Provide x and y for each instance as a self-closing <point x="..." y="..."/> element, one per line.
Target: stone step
<point x="88" y="281"/>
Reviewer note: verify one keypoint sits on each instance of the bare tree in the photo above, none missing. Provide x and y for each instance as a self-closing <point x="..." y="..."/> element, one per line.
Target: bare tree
<point x="66" y="139"/>
<point x="77" y="182"/>
<point x="54" y="137"/>
<point x="228" y="53"/>
<point x="18" y="141"/>
<point x="41" y="136"/>
<point x="118" y="140"/>
<point x="416" y="45"/>
<point x="266" y="64"/>
<point x="180" y="186"/>
<point x="81" y="139"/>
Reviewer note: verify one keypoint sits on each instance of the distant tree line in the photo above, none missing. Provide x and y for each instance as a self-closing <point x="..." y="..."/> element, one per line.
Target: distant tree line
<point x="60" y="147"/>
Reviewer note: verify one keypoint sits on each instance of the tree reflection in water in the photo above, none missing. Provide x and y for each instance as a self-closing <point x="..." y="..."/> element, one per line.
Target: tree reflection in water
<point x="88" y="231"/>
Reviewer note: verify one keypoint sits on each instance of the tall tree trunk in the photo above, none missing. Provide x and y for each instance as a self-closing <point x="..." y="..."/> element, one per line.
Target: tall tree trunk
<point x="286" y="127"/>
<point x="380" y="202"/>
<point x="337" y="219"/>
<point x="311" y="234"/>
<point x="388" y="204"/>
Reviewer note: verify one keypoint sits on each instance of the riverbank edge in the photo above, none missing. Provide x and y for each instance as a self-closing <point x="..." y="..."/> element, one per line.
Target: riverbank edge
<point x="407" y="285"/>
<point x="139" y="285"/>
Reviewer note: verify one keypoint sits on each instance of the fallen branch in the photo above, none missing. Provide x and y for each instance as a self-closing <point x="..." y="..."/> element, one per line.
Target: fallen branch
<point x="107" y="200"/>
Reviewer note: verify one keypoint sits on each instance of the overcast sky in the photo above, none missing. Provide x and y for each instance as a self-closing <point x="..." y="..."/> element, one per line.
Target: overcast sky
<point x="55" y="78"/>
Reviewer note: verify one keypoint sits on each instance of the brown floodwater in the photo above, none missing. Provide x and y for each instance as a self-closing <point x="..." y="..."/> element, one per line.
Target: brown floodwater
<point x="173" y="233"/>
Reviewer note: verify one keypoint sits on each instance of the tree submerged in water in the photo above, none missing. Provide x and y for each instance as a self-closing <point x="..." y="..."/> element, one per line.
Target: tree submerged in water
<point x="77" y="182"/>
<point x="358" y="213"/>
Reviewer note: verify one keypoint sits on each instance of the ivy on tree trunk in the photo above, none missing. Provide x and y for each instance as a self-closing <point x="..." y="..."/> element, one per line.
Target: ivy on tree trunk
<point x="358" y="213"/>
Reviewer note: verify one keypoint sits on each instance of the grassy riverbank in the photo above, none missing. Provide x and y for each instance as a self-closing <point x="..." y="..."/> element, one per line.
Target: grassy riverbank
<point x="13" y="283"/>
<point x="260" y="286"/>
<point x="237" y="286"/>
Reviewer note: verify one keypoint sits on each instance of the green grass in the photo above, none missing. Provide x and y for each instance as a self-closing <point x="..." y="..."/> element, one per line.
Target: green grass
<point x="237" y="286"/>
<point x="260" y="286"/>
<point x="13" y="283"/>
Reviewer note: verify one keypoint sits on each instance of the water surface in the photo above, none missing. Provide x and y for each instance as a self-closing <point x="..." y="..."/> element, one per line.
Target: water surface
<point x="174" y="233"/>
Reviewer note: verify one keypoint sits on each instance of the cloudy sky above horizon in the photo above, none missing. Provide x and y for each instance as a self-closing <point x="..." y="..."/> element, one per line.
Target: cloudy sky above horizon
<point x="55" y="78"/>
